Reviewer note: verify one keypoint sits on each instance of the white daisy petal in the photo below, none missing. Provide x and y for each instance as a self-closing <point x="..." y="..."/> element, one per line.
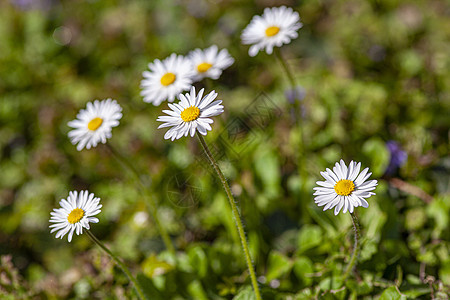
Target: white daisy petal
<point x="328" y="178"/>
<point x="355" y="172"/>
<point x="82" y="207"/>
<point x="345" y="188"/>
<point x="191" y="114"/>
<point x="324" y="184"/>
<point x="332" y="175"/>
<point x="166" y="79"/>
<point x="277" y="26"/>
<point x="94" y="124"/>
<point x="364" y="203"/>
<point x="209" y="63"/>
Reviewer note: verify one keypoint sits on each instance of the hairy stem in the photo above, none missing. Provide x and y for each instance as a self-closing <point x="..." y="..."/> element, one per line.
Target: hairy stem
<point x="357" y="234"/>
<point x="119" y="263"/>
<point x="237" y="217"/>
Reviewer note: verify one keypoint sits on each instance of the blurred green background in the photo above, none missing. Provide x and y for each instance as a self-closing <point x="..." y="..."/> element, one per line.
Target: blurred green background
<point x="370" y="72"/>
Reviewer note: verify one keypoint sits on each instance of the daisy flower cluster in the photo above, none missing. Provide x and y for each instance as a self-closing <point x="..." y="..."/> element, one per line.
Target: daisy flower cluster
<point x="344" y="188"/>
<point x="168" y="78"/>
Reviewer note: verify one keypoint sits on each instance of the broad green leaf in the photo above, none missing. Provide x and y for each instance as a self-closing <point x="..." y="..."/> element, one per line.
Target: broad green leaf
<point x="377" y="153"/>
<point x="415" y="293"/>
<point x="302" y="268"/>
<point x="361" y="288"/>
<point x="444" y="273"/>
<point x="415" y="218"/>
<point x="245" y="294"/>
<point x="149" y="290"/>
<point x="310" y="236"/>
<point x="278" y="265"/>
<point x="198" y="260"/>
<point x="196" y="290"/>
<point x="267" y="168"/>
<point x="152" y="266"/>
<point x="392" y="293"/>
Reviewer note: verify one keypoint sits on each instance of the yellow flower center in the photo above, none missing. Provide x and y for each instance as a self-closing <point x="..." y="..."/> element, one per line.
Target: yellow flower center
<point x="203" y="67"/>
<point x="168" y="79"/>
<point x="344" y="187"/>
<point x="190" y="114"/>
<point x="272" y="30"/>
<point x="95" y="123"/>
<point x="75" y="215"/>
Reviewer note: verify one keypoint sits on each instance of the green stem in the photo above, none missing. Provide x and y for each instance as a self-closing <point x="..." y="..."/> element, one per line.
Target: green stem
<point x="291" y="78"/>
<point x="352" y="261"/>
<point x="285" y="68"/>
<point x="236" y="214"/>
<point x="209" y="85"/>
<point x="119" y="263"/>
<point x="298" y="119"/>
<point x="296" y="105"/>
<point x="145" y="190"/>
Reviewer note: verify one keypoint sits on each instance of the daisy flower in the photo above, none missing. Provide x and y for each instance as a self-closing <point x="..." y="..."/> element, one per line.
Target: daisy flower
<point x="277" y="26"/>
<point x="210" y="62"/>
<point x="344" y="187"/>
<point x="94" y="124"/>
<point x="75" y="214"/>
<point x="166" y="79"/>
<point x="191" y="114"/>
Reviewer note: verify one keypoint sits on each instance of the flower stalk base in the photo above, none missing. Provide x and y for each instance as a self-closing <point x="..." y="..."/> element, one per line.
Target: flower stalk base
<point x="121" y="265"/>
<point x="237" y="217"/>
<point x="356" y="245"/>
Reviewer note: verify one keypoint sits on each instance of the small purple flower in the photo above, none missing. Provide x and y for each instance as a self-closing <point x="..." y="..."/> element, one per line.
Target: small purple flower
<point x="33" y="4"/>
<point x="398" y="157"/>
<point x="293" y="95"/>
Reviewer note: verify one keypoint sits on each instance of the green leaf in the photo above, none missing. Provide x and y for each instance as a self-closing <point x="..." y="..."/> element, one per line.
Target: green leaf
<point x="267" y="169"/>
<point x="369" y="248"/>
<point x="415" y="218"/>
<point x="439" y="211"/>
<point x="444" y="273"/>
<point x="330" y="283"/>
<point x="310" y="236"/>
<point x="278" y="265"/>
<point x="392" y="293"/>
<point x="196" y="290"/>
<point x="302" y="267"/>
<point x="245" y="294"/>
<point x="198" y="260"/>
<point x="414" y="293"/>
<point x="152" y="266"/>
<point x="376" y="151"/>
<point x="360" y="288"/>
<point x="149" y="290"/>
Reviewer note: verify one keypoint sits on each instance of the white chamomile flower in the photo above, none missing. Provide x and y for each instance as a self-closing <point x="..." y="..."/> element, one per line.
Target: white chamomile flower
<point x="75" y="214"/>
<point x="166" y="79"/>
<point x="210" y="62"/>
<point x="94" y="124"/>
<point x="277" y="26"/>
<point x="344" y="187"/>
<point x="191" y="114"/>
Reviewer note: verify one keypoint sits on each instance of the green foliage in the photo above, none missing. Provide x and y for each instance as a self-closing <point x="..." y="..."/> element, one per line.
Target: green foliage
<point x="372" y="71"/>
<point x="392" y="293"/>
